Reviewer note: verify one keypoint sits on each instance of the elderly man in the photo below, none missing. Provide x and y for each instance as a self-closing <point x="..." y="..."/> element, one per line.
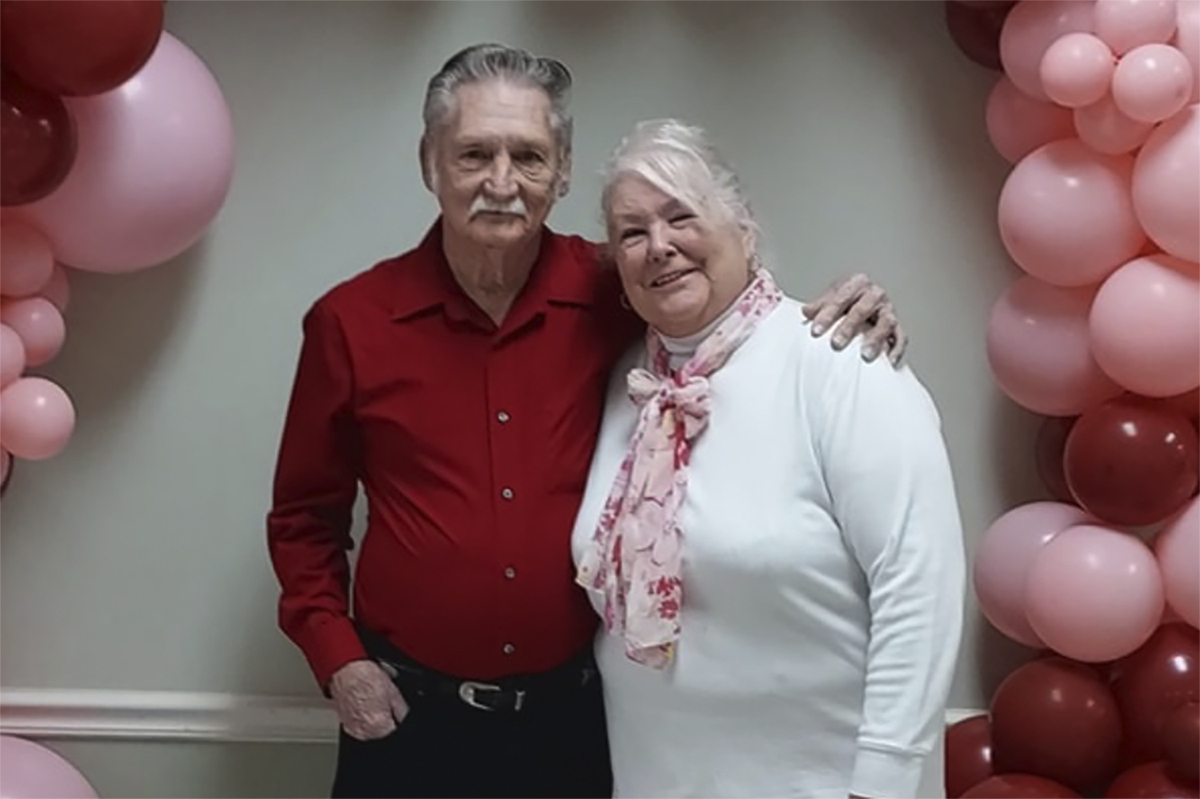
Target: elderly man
<point x="461" y="384"/>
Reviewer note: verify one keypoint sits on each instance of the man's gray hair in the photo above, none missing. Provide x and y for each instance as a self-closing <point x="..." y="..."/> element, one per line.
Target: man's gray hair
<point x="679" y="160"/>
<point x="481" y="62"/>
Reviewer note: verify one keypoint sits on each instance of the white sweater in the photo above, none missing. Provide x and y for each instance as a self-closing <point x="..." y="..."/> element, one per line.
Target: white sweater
<point x="823" y="583"/>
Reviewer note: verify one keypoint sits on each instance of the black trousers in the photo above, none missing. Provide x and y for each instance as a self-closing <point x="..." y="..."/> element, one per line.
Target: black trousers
<point x="445" y="748"/>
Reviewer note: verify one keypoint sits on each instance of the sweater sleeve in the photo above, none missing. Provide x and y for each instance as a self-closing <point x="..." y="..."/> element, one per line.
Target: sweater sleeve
<point x="888" y="474"/>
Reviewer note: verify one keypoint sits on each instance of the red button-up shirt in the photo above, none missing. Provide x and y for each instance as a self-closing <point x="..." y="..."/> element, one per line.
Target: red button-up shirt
<point x="472" y="444"/>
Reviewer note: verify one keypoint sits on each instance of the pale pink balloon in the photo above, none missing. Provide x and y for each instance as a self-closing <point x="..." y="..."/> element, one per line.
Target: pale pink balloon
<point x="40" y="326"/>
<point x="154" y="165"/>
<point x="1152" y="82"/>
<point x="1017" y="124"/>
<point x="1177" y="548"/>
<point x="1039" y="349"/>
<point x="37" y="418"/>
<point x="1004" y="557"/>
<point x="33" y="771"/>
<point x="1029" y="30"/>
<point x="1094" y="594"/>
<point x="1126" y="24"/>
<point x="25" y="260"/>
<point x="1187" y="39"/>
<point x="12" y="355"/>
<point x="1145" y="326"/>
<point x="1166" y="185"/>
<point x="58" y="289"/>
<point x="1066" y="215"/>
<point x="1105" y="129"/>
<point x="1077" y="70"/>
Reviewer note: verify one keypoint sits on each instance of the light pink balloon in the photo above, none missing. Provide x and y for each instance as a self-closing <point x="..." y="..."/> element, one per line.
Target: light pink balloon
<point x="12" y="355"/>
<point x="1039" y="349"/>
<point x="1017" y="124"/>
<point x="1029" y="30"/>
<point x="1003" y="559"/>
<point x="1066" y="215"/>
<point x="1187" y="39"/>
<point x="1126" y="24"/>
<point x="153" y="168"/>
<point x="1077" y="70"/>
<point x="25" y="260"/>
<point x="58" y="289"/>
<point x="1152" y="82"/>
<point x="36" y="418"/>
<point x="1166" y="185"/>
<point x="1145" y="326"/>
<point x="40" y="326"/>
<point x="33" y="771"/>
<point x="1094" y="594"/>
<point x="1105" y="129"/>
<point x="1177" y="548"/>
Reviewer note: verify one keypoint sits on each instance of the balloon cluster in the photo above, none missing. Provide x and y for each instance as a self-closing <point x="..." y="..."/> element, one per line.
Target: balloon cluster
<point x="117" y="155"/>
<point x="1096" y="109"/>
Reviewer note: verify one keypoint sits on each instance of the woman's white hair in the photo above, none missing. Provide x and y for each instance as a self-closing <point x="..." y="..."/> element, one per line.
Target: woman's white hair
<point x="679" y="161"/>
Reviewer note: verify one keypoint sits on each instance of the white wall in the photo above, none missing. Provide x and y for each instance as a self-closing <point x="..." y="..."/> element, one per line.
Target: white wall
<point x="135" y="560"/>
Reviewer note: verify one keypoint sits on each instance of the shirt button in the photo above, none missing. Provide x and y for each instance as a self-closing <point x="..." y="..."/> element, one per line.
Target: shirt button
<point x="509" y="649"/>
<point x="503" y="417"/>
<point x="507" y="493"/>
<point x="510" y="573"/>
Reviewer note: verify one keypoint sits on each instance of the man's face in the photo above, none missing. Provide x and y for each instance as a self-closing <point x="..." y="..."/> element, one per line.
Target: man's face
<point x="495" y="166"/>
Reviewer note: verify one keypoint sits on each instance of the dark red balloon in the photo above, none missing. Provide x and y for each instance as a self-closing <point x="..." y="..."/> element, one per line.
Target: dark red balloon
<point x="1019" y="786"/>
<point x="1181" y="741"/>
<point x="37" y="141"/>
<point x="975" y="28"/>
<point x="968" y="754"/>
<point x="1132" y="463"/>
<point x="1056" y="719"/>
<point x="1051" y="440"/>
<point x="79" y="47"/>
<point x="1151" y="781"/>
<point x="1162" y="675"/>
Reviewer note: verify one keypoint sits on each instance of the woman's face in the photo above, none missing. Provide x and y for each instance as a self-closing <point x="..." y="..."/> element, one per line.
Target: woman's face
<point x="680" y="270"/>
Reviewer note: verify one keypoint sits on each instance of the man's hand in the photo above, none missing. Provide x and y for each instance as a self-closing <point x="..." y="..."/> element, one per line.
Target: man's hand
<point x="369" y="704"/>
<point x="863" y="308"/>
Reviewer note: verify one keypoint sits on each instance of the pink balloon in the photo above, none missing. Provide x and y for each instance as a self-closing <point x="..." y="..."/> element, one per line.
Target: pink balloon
<point x="1040" y="352"/>
<point x="1152" y="82"/>
<point x="154" y="166"/>
<point x="1077" y="70"/>
<point x="1094" y="594"/>
<point x="1187" y="39"/>
<point x="1177" y="548"/>
<point x="33" y="771"/>
<point x="1126" y="24"/>
<point x="1105" y="129"/>
<point x="37" y="418"/>
<point x="1029" y="30"/>
<point x="58" y="289"/>
<point x="12" y="355"/>
<point x="25" y="260"/>
<point x="40" y="326"/>
<point x="1066" y="215"/>
<point x="1145" y="326"/>
<point x="1166" y="185"/>
<point x="1017" y="124"/>
<point x="1004" y="557"/>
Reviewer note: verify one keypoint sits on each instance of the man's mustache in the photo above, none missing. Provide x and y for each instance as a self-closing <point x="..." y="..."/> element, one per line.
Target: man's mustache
<point x="481" y="205"/>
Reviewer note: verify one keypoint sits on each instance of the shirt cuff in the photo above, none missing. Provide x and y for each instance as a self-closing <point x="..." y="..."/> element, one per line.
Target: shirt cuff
<point x="330" y="645"/>
<point x="886" y="773"/>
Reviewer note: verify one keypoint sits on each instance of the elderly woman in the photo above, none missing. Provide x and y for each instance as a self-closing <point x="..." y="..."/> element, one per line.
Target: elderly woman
<point x="769" y="530"/>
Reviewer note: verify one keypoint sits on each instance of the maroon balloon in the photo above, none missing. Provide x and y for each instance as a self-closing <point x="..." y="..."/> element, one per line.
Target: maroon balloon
<point x="1019" y="786"/>
<point x="1130" y="462"/>
<point x="1056" y="719"/>
<point x="79" y="47"/>
<point x="1181" y="741"/>
<point x="1162" y="675"/>
<point x="975" y="28"/>
<point x="1151" y="781"/>
<point x="37" y="141"/>
<point x="1051" y="440"/>
<point x="968" y="754"/>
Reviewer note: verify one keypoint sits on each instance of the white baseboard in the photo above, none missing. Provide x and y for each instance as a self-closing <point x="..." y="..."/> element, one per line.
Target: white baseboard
<point x="180" y="716"/>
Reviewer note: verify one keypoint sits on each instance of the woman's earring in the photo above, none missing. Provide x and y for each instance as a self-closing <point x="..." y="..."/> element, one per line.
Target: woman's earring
<point x="625" y="302"/>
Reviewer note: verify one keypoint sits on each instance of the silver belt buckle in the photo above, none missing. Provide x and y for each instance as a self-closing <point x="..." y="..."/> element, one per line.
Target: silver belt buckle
<point x="468" y="689"/>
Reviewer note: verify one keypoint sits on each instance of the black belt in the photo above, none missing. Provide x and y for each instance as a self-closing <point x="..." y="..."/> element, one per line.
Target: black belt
<point x="506" y="694"/>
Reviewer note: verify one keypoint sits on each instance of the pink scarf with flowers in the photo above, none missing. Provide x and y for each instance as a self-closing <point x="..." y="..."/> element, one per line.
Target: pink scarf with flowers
<point x="637" y="558"/>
